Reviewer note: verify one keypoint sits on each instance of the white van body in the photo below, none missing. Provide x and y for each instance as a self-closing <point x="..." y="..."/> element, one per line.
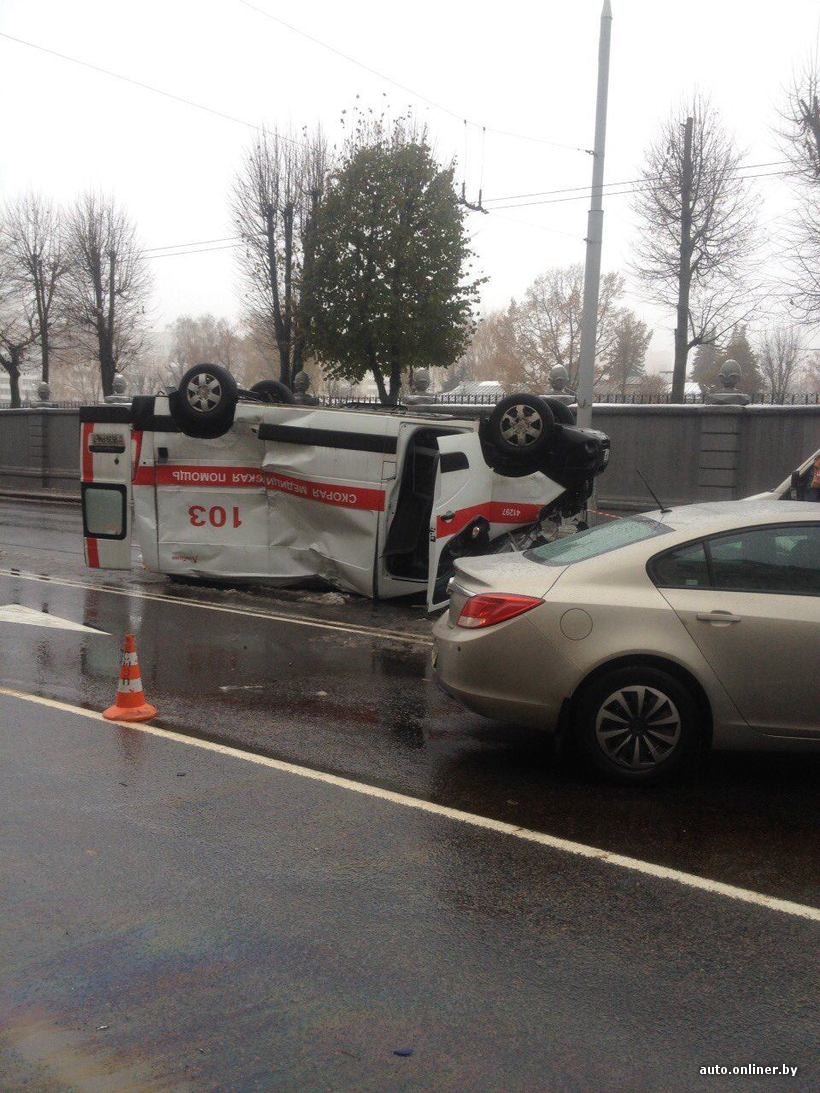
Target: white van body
<point x="791" y="488"/>
<point x="376" y="502"/>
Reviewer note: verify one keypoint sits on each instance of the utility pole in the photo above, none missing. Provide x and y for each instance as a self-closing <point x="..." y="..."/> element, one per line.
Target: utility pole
<point x="685" y="267"/>
<point x="595" y="230"/>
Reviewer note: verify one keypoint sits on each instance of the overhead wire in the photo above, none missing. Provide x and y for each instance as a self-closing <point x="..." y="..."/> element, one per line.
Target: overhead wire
<point x="618" y="193"/>
<point x="185" y="248"/>
<point x="456" y="114"/>
<point x="193" y="243"/>
<point x="142" y="85"/>
<point x="584" y="191"/>
<point x="182" y="253"/>
<point x="172" y="249"/>
<point x="622" y="182"/>
<point x="577" y="236"/>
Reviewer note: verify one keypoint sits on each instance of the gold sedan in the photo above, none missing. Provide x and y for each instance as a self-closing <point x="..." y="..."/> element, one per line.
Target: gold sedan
<point x="648" y="639"/>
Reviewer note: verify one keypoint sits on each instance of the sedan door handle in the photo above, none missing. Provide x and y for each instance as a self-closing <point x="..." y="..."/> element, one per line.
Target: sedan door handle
<point x="721" y="618"/>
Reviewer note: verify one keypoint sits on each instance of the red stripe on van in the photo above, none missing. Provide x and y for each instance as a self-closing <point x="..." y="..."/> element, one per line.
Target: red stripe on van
<point x="496" y="512"/>
<point x="88" y="455"/>
<point x="137" y="438"/>
<point x="179" y="474"/>
<point x="327" y="493"/>
<point x="220" y="477"/>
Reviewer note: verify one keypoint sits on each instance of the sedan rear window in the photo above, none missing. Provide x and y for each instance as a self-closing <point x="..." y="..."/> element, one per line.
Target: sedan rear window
<point x="596" y="541"/>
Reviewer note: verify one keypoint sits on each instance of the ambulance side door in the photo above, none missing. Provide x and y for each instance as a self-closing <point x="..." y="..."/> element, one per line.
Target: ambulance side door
<point x="106" y="459"/>
<point x="462" y="493"/>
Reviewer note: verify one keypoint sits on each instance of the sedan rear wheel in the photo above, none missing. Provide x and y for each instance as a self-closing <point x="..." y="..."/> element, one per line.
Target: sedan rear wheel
<point x="638" y="724"/>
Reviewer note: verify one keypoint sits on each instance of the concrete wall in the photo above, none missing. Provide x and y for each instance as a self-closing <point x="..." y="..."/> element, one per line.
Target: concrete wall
<point x="40" y="450"/>
<point x="687" y="453"/>
<point x="701" y="453"/>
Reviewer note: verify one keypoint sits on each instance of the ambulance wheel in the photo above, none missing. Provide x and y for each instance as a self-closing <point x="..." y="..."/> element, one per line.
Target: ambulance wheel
<point x="272" y="391"/>
<point x="520" y="426"/>
<point x="205" y="401"/>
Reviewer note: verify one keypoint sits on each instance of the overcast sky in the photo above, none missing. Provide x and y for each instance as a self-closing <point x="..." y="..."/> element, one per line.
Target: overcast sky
<point x="521" y="67"/>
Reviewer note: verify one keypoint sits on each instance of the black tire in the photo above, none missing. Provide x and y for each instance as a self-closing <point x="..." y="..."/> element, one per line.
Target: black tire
<point x="520" y="426"/>
<point x="560" y="411"/>
<point x="273" y="391"/>
<point x="625" y="715"/>
<point x="205" y="402"/>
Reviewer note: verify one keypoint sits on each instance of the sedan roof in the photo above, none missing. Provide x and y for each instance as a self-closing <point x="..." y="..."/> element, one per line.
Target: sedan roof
<point x="715" y="515"/>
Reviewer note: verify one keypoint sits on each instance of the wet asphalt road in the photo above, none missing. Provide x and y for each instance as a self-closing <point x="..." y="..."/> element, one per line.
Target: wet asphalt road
<point x="178" y="919"/>
<point x="364" y="705"/>
<point x="359" y="702"/>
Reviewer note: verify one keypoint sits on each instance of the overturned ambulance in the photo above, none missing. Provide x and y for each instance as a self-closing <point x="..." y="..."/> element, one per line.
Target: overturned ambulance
<point x="226" y="484"/>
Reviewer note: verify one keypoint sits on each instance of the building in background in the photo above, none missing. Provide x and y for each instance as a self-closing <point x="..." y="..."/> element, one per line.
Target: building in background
<point x="28" y="388"/>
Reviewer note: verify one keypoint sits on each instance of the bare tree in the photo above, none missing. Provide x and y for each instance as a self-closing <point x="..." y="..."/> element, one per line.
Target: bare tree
<point x="14" y="344"/>
<point x="107" y="283"/>
<point x="491" y="355"/>
<point x="800" y="122"/>
<point x="652" y="387"/>
<point x="811" y="374"/>
<point x="547" y="323"/>
<point x="698" y="235"/>
<point x="17" y="333"/>
<point x="195" y="340"/>
<point x="33" y="251"/>
<point x="800" y="139"/>
<point x="780" y="360"/>
<point x="275" y="203"/>
<point x="625" y="360"/>
<point x="76" y="376"/>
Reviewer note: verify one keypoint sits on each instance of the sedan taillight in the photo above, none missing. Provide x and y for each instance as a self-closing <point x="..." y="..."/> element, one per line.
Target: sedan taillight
<point x="494" y="607"/>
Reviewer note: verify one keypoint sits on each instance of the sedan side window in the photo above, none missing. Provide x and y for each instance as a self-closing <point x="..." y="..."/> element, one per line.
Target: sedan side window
<point x="783" y="560"/>
<point x="682" y="568"/>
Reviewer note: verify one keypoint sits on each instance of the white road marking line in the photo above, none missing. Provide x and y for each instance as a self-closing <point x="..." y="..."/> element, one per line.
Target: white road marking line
<point x="581" y="850"/>
<point x="296" y="620"/>
<point x="28" y="616"/>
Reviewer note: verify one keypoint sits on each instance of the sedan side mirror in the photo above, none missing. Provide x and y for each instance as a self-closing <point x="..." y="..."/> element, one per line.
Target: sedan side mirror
<point x="794" y="487"/>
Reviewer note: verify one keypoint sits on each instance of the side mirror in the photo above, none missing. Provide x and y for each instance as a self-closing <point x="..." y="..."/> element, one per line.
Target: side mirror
<point x="794" y="486"/>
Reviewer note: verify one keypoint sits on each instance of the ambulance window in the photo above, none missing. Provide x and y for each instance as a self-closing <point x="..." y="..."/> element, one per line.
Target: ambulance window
<point x="104" y="512"/>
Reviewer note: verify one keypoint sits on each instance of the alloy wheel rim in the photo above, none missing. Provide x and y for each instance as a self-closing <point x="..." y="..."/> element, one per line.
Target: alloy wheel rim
<point x="638" y="727"/>
<point x="521" y="425"/>
<point x="204" y="392"/>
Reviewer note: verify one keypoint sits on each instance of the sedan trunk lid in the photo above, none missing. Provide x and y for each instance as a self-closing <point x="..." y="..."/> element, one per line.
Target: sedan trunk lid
<point x="510" y="572"/>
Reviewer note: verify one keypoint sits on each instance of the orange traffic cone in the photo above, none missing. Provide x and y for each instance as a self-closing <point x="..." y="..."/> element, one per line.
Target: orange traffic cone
<point x="130" y="704"/>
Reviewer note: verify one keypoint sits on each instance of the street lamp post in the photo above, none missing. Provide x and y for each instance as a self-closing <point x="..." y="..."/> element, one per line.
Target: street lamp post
<point x="595" y="230"/>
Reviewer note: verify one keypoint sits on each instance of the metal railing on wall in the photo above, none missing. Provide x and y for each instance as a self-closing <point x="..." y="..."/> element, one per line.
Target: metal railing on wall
<point x="27" y="404"/>
<point x="809" y="398"/>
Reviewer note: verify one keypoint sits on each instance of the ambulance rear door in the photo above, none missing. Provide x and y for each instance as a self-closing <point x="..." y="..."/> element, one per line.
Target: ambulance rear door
<point x="106" y="459"/>
<point x="462" y="496"/>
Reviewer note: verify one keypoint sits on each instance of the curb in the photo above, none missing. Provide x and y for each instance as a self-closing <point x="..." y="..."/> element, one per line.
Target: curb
<point x="36" y="496"/>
